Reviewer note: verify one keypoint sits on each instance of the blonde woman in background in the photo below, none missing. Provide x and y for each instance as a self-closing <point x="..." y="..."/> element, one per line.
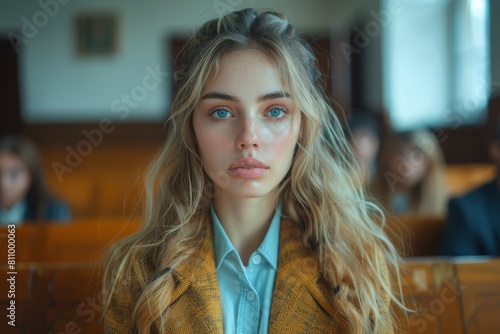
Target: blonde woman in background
<point x="410" y="177"/>
<point x="256" y="221"/>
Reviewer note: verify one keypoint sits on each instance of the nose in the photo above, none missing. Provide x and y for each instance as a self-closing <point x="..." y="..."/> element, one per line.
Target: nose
<point x="249" y="136"/>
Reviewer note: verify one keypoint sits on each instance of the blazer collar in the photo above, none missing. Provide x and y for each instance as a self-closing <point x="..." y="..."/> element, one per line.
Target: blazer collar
<point x="298" y="269"/>
<point x="199" y="276"/>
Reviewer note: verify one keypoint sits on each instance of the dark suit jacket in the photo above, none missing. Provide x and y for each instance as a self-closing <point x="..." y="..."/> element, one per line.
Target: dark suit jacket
<point x="473" y="225"/>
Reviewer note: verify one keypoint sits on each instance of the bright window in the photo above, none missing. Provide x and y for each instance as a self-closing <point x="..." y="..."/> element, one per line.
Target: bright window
<point x="436" y="63"/>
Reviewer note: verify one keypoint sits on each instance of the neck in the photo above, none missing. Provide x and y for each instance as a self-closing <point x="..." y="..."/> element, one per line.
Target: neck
<point x="245" y="221"/>
<point x="9" y="205"/>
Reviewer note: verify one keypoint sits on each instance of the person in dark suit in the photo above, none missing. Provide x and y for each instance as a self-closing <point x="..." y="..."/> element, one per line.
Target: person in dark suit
<point x="23" y="193"/>
<point x="473" y="224"/>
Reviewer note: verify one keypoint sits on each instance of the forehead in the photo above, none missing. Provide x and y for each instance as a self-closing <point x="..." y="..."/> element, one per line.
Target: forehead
<point x="244" y="72"/>
<point x="10" y="160"/>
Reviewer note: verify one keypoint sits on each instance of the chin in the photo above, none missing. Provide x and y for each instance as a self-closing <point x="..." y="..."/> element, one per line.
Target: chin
<point x="248" y="191"/>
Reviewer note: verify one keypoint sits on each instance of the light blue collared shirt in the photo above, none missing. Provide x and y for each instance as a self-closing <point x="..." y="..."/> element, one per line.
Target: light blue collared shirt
<point x="246" y="292"/>
<point x="14" y="215"/>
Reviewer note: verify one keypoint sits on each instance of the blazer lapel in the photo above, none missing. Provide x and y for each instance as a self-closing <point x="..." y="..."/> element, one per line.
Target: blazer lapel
<point x="300" y="301"/>
<point x="197" y="283"/>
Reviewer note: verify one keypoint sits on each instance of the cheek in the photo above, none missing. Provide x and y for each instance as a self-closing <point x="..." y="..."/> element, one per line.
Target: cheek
<point x="16" y="187"/>
<point x="284" y="142"/>
<point x="22" y="184"/>
<point x="211" y="144"/>
<point x="395" y="165"/>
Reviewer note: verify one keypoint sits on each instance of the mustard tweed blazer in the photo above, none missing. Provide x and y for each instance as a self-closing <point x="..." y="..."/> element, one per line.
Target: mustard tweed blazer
<point x="301" y="300"/>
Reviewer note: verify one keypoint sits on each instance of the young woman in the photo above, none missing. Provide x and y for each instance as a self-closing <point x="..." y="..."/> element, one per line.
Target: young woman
<point x="365" y="136"/>
<point x="256" y="220"/>
<point x="23" y="193"/>
<point x="410" y="176"/>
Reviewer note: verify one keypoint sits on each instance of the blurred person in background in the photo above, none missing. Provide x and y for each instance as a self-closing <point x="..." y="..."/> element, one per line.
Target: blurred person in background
<point x="473" y="223"/>
<point x="23" y="193"/>
<point x="364" y="136"/>
<point x="410" y="177"/>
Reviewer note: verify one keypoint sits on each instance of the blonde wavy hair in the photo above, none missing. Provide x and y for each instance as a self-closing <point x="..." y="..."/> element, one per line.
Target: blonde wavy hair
<point x="321" y="192"/>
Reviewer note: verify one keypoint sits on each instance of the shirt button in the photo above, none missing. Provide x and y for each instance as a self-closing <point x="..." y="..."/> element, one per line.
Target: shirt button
<point x="250" y="296"/>
<point x="257" y="259"/>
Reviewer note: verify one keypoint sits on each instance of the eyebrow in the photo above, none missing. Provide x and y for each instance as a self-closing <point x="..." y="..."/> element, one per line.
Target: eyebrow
<point x="221" y="96"/>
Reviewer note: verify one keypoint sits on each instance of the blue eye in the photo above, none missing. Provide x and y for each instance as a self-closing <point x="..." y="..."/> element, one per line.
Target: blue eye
<point x="220" y="113"/>
<point x="275" y="112"/>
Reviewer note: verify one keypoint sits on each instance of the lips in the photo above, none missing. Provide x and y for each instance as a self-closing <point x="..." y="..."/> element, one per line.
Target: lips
<point x="248" y="168"/>
<point x="248" y="163"/>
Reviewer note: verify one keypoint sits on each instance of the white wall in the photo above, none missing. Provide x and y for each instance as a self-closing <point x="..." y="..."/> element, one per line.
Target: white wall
<point x="57" y="85"/>
<point x="495" y="47"/>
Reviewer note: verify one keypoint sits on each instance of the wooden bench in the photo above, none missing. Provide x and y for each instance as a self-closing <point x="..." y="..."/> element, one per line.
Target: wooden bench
<point x="80" y="241"/>
<point x="55" y="298"/>
<point x="448" y="296"/>
<point x="58" y="283"/>
<point x="106" y="183"/>
<point x="70" y="297"/>
<point x="462" y="178"/>
<point x="431" y="293"/>
<point x="416" y="236"/>
<point x="23" y="291"/>
<point x="479" y="282"/>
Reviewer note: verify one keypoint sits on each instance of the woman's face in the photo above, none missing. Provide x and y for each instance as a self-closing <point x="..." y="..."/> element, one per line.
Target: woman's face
<point x="244" y="114"/>
<point x="15" y="179"/>
<point x="365" y="144"/>
<point x="410" y="163"/>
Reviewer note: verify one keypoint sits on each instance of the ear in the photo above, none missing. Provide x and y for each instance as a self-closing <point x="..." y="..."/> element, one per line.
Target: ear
<point x="494" y="151"/>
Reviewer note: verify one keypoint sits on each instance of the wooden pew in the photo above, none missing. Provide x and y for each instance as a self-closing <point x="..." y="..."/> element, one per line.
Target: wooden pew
<point x="61" y="271"/>
<point x="80" y="241"/>
<point x="430" y="291"/>
<point x="22" y="297"/>
<point x="416" y="236"/>
<point x="479" y="282"/>
<point x="462" y="178"/>
<point x="107" y="182"/>
<point x="55" y="298"/>
<point x="83" y="241"/>
<point x="69" y="298"/>
<point x="90" y="194"/>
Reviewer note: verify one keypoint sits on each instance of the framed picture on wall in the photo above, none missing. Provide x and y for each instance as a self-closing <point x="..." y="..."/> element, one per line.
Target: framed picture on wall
<point x="96" y="34"/>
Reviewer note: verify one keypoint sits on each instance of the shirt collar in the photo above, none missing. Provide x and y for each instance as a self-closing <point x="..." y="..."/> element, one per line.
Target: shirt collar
<point x="14" y="215"/>
<point x="267" y="249"/>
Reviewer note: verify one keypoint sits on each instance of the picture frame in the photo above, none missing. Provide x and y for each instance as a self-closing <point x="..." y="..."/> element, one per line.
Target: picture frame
<point x="96" y="34"/>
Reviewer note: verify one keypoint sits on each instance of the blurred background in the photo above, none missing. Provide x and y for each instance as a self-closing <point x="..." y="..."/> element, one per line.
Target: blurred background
<point x="90" y="82"/>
